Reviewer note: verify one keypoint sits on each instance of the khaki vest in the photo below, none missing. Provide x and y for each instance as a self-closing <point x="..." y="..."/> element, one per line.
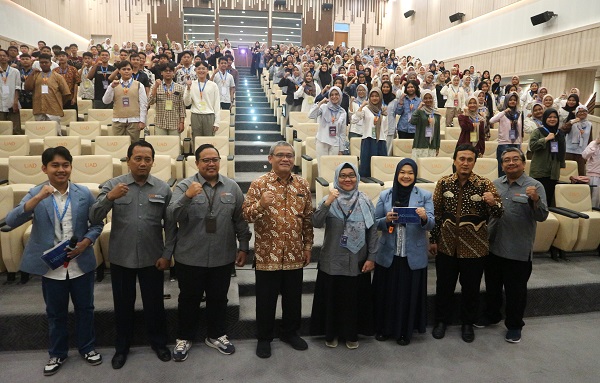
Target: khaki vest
<point x="131" y="111"/>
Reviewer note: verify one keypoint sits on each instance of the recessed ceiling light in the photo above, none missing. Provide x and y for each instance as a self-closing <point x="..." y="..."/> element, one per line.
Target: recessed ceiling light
<point x="287" y="39"/>
<point x="297" y="25"/>
<point x="241" y="22"/>
<point x="530" y="79"/>
<point x="243" y="11"/>
<point x="292" y="33"/>
<point x="241" y="31"/>
<point x="190" y="29"/>
<point x="240" y="39"/>
<point x="212" y="10"/>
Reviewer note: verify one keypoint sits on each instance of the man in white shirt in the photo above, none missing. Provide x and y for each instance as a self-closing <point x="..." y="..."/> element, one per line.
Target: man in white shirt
<point x="204" y="97"/>
<point x="130" y="103"/>
<point x="10" y="86"/>
<point x="226" y="84"/>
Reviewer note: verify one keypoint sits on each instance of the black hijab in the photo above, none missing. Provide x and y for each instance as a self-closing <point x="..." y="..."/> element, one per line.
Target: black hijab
<point x="547" y="113"/>
<point x="570" y="109"/>
<point x="389" y="96"/>
<point x="325" y="77"/>
<point x="401" y="193"/>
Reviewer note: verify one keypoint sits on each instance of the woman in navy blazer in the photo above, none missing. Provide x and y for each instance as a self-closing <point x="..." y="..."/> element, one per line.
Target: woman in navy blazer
<point x="400" y="279"/>
<point x="60" y="210"/>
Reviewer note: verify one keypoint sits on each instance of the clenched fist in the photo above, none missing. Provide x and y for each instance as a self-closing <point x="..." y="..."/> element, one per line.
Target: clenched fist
<point x="194" y="189"/>
<point x="267" y="199"/>
<point x="117" y="192"/>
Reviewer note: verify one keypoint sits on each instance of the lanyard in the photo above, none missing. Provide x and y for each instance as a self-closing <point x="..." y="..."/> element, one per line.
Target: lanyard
<point x="126" y="88"/>
<point x="61" y="72"/>
<point x="5" y="76"/>
<point x="201" y="89"/>
<point x="104" y="71"/>
<point x="135" y="76"/>
<point x="168" y="92"/>
<point x="187" y="71"/>
<point x="25" y="75"/>
<point x="347" y="215"/>
<point x="45" y="78"/>
<point x="211" y="200"/>
<point x="58" y="214"/>
<point x="223" y="77"/>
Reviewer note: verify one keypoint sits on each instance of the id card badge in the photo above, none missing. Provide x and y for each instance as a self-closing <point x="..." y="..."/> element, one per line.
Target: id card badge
<point x="429" y="132"/>
<point x="202" y="105"/>
<point x="169" y="105"/>
<point x="332" y="131"/>
<point x="105" y="84"/>
<point x="344" y="241"/>
<point x="311" y="100"/>
<point x="373" y="132"/>
<point x="554" y="147"/>
<point x="5" y="89"/>
<point x="455" y="103"/>
<point x="473" y="136"/>
<point x="210" y="225"/>
<point x="512" y="134"/>
<point x="224" y="91"/>
<point x="125" y="102"/>
<point x="44" y="89"/>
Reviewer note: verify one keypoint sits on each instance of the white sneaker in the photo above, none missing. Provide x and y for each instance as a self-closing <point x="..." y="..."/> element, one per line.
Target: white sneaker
<point x="180" y="352"/>
<point x="53" y="365"/>
<point x="222" y="344"/>
<point x="332" y="344"/>
<point x="352" y="345"/>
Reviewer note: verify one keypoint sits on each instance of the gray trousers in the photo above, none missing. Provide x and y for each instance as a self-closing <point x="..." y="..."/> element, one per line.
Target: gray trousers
<point x="202" y="125"/>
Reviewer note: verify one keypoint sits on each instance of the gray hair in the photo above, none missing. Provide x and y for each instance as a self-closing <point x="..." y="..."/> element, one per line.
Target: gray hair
<point x="513" y="149"/>
<point x="280" y="143"/>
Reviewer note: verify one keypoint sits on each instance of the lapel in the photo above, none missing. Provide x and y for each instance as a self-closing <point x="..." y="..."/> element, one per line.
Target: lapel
<point x="75" y="196"/>
<point x="415" y="198"/>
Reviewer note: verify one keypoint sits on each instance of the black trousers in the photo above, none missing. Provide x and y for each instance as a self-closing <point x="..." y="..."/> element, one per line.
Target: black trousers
<point x="466" y="270"/>
<point x="269" y="284"/>
<point x="124" y="294"/>
<point x="513" y="276"/>
<point x="549" y="187"/>
<point x="405" y="135"/>
<point x="193" y="282"/>
<point x="226" y="105"/>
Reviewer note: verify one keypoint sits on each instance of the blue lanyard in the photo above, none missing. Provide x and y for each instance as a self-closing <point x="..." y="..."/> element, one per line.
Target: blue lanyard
<point x="187" y="71"/>
<point x="5" y="77"/>
<point x="170" y="88"/>
<point x="135" y="76"/>
<point x="223" y="77"/>
<point x="58" y="214"/>
<point x="26" y="74"/>
<point x="65" y="72"/>
<point x="128" y="84"/>
<point x="199" y="88"/>
<point x="104" y="71"/>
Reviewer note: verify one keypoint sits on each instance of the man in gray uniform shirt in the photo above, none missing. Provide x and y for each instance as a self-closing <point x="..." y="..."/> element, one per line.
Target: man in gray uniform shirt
<point x="509" y="263"/>
<point x="139" y="203"/>
<point x="208" y="208"/>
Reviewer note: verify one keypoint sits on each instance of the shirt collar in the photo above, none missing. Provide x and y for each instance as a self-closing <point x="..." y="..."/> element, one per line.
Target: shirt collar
<point x="275" y="178"/>
<point x="130" y="180"/>
<point x="454" y="177"/>
<point x="519" y="181"/>
<point x="202" y="180"/>
<point x="56" y="193"/>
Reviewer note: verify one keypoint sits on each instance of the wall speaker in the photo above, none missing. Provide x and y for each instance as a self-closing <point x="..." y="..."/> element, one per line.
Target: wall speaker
<point x="542" y="17"/>
<point x="408" y="14"/>
<point x="327" y="6"/>
<point x="456" y="17"/>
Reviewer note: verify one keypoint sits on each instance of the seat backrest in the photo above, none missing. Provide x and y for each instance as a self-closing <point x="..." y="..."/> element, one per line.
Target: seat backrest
<point x="92" y="168"/>
<point x="84" y="105"/>
<point x="527" y="166"/>
<point x="493" y="134"/>
<point x="355" y="143"/>
<point x="151" y="116"/>
<point x="114" y="146"/>
<point x="568" y="171"/>
<point x="70" y="115"/>
<point x="40" y="129"/>
<point x="73" y="143"/>
<point x="310" y="147"/>
<point x="573" y="196"/>
<point x="14" y="146"/>
<point x="452" y="133"/>
<point x="434" y="168"/>
<point x="491" y="147"/>
<point x="402" y="147"/>
<point x="161" y="168"/>
<point x="223" y="129"/>
<point x="191" y="168"/>
<point x="6" y="200"/>
<point x="219" y="142"/>
<point x="486" y="167"/>
<point x="447" y="148"/>
<point x="26" y="115"/>
<point x="85" y="129"/>
<point x="306" y="129"/>
<point x="429" y="186"/>
<point x="372" y="190"/>
<point x="104" y="116"/>
<point x="25" y="170"/>
<point x="327" y="165"/>
<point x="167" y="145"/>
<point x="298" y="117"/>
<point x="384" y="168"/>
<point x="6" y="128"/>
<point x="224" y="115"/>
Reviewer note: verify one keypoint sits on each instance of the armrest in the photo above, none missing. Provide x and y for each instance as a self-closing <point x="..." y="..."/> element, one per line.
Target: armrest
<point x="100" y="186"/>
<point x="2" y="222"/>
<point x="372" y="180"/>
<point x="171" y="182"/>
<point x="180" y="157"/>
<point x="297" y="139"/>
<point x="8" y="229"/>
<point x="307" y="157"/>
<point x="322" y="181"/>
<point x="123" y="159"/>
<point x="423" y="180"/>
<point x="230" y="158"/>
<point x="231" y="139"/>
<point x="2" y="182"/>
<point x="93" y="140"/>
<point x="294" y="134"/>
<point x="568" y="213"/>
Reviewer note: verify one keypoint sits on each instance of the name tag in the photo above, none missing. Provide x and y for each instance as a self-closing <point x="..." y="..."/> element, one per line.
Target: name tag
<point x="455" y="103"/>
<point x="310" y="99"/>
<point x="203" y="105"/>
<point x="429" y="132"/>
<point x="105" y="84"/>
<point x="156" y="198"/>
<point x="210" y="225"/>
<point x="512" y="134"/>
<point x="169" y="105"/>
<point x="332" y="131"/>
<point x="44" y="89"/>
<point x="125" y="102"/>
<point x="473" y="136"/>
<point x="554" y="147"/>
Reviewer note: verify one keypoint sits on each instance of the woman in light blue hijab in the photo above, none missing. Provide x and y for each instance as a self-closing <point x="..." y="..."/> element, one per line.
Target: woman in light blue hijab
<point x="342" y="305"/>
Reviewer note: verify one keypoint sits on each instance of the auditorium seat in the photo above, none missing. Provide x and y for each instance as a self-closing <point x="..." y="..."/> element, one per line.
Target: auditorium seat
<point x="402" y="147"/>
<point x="310" y="164"/>
<point x="73" y="143"/>
<point x="16" y="145"/>
<point x="433" y="168"/>
<point x="327" y="166"/>
<point x="114" y="146"/>
<point x="87" y="131"/>
<point x="36" y="131"/>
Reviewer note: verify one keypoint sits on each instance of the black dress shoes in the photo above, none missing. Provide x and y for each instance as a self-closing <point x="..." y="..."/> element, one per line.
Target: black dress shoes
<point x="468" y="335"/>
<point x="118" y="360"/>
<point x="163" y="353"/>
<point x="439" y="331"/>
<point x="381" y="337"/>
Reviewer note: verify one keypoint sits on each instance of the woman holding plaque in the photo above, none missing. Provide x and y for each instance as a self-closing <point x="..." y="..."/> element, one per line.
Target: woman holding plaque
<point x="404" y="214"/>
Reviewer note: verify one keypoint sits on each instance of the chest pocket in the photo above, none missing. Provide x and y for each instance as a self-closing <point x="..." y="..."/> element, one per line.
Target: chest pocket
<point x="198" y="207"/>
<point x="156" y="208"/>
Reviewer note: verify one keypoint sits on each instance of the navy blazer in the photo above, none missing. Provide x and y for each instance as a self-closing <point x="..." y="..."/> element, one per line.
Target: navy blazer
<point x="417" y="243"/>
<point x="42" y="232"/>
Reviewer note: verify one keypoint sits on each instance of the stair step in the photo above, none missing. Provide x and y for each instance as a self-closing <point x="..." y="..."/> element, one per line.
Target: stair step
<point x="252" y="104"/>
<point x="255" y="117"/>
<point x="253" y="148"/>
<point x="258" y="111"/>
<point x="270" y="127"/>
<point x="250" y="136"/>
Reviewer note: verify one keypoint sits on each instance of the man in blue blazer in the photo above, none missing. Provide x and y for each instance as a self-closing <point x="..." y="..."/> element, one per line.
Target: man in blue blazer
<point x="59" y="210"/>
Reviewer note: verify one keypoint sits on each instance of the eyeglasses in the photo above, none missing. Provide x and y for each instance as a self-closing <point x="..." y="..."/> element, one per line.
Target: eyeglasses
<point x="516" y="160"/>
<point x="347" y="176"/>
<point x="210" y="160"/>
<point x="280" y="156"/>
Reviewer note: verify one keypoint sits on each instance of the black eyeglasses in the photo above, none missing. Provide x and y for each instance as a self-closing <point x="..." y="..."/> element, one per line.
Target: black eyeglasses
<point x="214" y="160"/>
